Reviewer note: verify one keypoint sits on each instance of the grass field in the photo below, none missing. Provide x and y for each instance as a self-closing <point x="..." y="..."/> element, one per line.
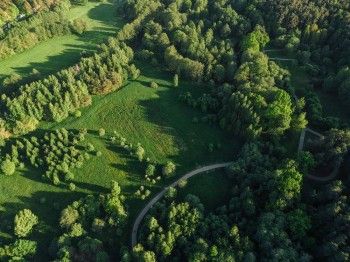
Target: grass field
<point x="59" y="52"/>
<point x="153" y="117"/>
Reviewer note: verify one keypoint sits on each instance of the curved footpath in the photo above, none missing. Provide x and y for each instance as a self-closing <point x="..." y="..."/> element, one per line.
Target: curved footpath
<point x="303" y="132"/>
<point x="155" y="199"/>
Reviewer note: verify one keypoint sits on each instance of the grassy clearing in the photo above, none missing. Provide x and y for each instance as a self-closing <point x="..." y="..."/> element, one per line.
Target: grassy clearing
<point x="59" y="52"/>
<point x="213" y="189"/>
<point x="153" y="117"/>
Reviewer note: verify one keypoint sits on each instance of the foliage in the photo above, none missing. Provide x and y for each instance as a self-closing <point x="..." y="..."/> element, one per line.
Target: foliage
<point x="91" y="225"/>
<point x="8" y="167"/>
<point x="24" y="222"/>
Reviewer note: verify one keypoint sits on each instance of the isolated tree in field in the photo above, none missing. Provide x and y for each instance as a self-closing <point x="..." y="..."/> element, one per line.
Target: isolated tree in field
<point x="8" y="167"/>
<point x="140" y="152"/>
<point x="169" y="168"/>
<point x="101" y="132"/>
<point x="24" y="222"/>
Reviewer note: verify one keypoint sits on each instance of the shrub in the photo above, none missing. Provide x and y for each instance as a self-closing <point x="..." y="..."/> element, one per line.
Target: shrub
<point x="79" y="26"/>
<point x="169" y="168"/>
<point x="8" y="167"/>
<point x="77" y="113"/>
<point x="150" y="170"/>
<point x="19" y="250"/>
<point x="25" y="220"/>
<point x="98" y="153"/>
<point x="154" y="85"/>
<point x="101" y="132"/>
<point x="182" y="183"/>
<point x="140" y="152"/>
<point x="72" y="187"/>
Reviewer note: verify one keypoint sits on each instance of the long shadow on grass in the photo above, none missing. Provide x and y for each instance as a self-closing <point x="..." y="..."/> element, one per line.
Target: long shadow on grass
<point x="47" y="205"/>
<point x="89" y="41"/>
<point x="175" y="119"/>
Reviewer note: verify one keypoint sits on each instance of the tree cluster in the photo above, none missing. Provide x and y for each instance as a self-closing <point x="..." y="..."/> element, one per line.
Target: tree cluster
<point x="90" y="227"/>
<point x="25" y="34"/>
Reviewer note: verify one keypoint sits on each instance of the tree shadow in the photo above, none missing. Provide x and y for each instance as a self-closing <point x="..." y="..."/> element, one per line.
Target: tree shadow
<point x="48" y="212"/>
<point x="72" y="53"/>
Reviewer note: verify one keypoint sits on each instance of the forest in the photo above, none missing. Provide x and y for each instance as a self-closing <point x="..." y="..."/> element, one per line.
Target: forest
<point x="199" y="130"/>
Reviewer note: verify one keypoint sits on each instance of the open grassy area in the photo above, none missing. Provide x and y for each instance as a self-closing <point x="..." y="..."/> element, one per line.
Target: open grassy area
<point x="213" y="188"/>
<point x="153" y="117"/>
<point x="59" y="52"/>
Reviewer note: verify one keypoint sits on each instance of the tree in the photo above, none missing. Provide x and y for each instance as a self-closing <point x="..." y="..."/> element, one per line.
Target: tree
<point x="8" y="167"/>
<point x="101" y="132"/>
<point x="19" y="250"/>
<point x="140" y="153"/>
<point x="169" y="168"/>
<point x="256" y="40"/>
<point x="150" y="170"/>
<point x="24" y="222"/>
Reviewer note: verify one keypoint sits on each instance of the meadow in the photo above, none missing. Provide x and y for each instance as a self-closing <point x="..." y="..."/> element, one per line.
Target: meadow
<point x="152" y="117"/>
<point x="59" y="52"/>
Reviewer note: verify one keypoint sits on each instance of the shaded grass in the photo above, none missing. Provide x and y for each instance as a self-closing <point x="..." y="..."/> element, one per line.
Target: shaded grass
<point x="62" y="51"/>
<point x="212" y="188"/>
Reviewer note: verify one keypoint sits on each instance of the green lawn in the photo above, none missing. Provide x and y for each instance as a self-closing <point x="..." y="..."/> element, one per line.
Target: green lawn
<point x="60" y="52"/>
<point x="153" y="117"/>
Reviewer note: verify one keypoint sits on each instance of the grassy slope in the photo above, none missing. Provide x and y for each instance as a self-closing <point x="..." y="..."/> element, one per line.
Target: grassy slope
<point x="152" y="117"/>
<point x="62" y="51"/>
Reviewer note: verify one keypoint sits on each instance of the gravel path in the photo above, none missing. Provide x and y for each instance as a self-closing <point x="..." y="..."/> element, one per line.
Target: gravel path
<point x="155" y="199"/>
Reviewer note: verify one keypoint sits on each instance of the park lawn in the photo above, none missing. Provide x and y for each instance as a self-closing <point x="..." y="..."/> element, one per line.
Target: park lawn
<point x="212" y="188"/>
<point x="62" y="51"/>
<point x="153" y="117"/>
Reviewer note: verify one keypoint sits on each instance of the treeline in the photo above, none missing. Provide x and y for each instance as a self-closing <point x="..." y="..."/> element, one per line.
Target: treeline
<point x="267" y="217"/>
<point x="25" y="34"/>
<point x="210" y="41"/>
<point x="317" y="31"/>
<point x="57" y="96"/>
<point x="89" y="229"/>
<point x="12" y="9"/>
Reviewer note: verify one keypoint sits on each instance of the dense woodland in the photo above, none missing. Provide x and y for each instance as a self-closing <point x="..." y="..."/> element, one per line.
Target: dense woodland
<point x="274" y="211"/>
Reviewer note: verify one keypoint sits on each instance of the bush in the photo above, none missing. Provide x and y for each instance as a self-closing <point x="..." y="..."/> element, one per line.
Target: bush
<point x="8" y="167"/>
<point x="79" y="26"/>
<point x="154" y="85"/>
<point x="140" y="152"/>
<point x="77" y="113"/>
<point x="150" y="170"/>
<point x="72" y="187"/>
<point x="182" y="183"/>
<point x="169" y="168"/>
<point x="19" y="250"/>
<point x="101" y="132"/>
<point x="98" y="153"/>
<point x="25" y="220"/>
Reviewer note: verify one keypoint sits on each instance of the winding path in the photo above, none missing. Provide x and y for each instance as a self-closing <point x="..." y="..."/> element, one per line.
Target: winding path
<point x="303" y="133"/>
<point x="155" y="199"/>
